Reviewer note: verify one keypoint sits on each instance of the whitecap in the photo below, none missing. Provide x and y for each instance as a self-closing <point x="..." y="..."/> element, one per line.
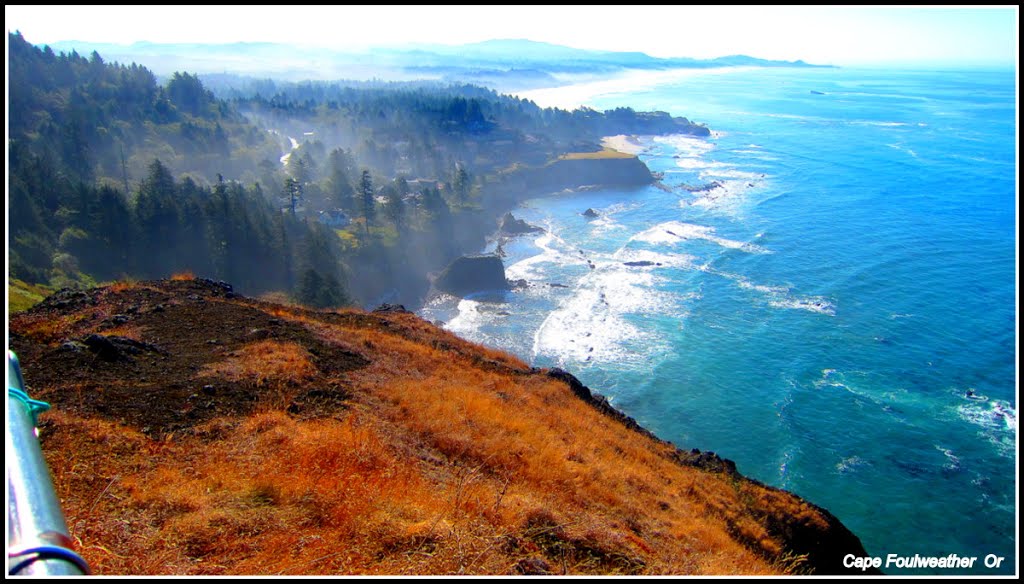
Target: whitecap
<point x="782" y="296"/>
<point x="685" y="146"/>
<point x="700" y="164"/>
<point x="584" y="327"/>
<point x="554" y="252"/>
<point x="724" y="197"/>
<point x="605" y="223"/>
<point x="729" y="172"/>
<point x="593" y="322"/>
<point x="675" y="231"/>
<point x="952" y="461"/>
<point x="763" y="288"/>
<point x="830" y="378"/>
<point x="878" y="124"/>
<point x="469" y="318"/>
<point x="654" y="260"/>
<point x="996" y="420"/>
<point x="850" y="464"/>
<point x="812" y="304"/>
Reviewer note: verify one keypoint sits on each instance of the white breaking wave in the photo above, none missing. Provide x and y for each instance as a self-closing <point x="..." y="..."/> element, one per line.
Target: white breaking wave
<point x="554" y="251"/>
<point x="813" y="304"/>
<point x="468" y="320"/>
<point x="700" y="164"/>
<point x="850" y="464"/>
<point x="952" y="460"/>
<point x="676" y="231"/>
<point x="727" y="196"/>
<point x="782" y="296"/>
<point x="652" y="259"/>
<point x="730" y="173"/>
<point x="593" y="323"/>
<point x="996" y="420"/>
<point x="685" y="146"/>
<point x="879" y="124"/>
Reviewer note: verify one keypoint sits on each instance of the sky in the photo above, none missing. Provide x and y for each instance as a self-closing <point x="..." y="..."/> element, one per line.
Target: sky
<point x="842" y="36"/>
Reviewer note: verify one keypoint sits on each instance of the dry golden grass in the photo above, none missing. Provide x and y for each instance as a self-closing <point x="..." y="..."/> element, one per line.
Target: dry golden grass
<point x="448" y="459"/>
<point x="186" y="275"/>
<point x="604" y="153"/>
<point x="264" y="361"/>
<point x="122" y="286"/>
<point x="46" y="329"/>
<point x="127" y="331"/>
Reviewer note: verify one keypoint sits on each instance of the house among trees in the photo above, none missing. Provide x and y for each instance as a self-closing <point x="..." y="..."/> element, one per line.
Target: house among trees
<point x="335" y="218"/>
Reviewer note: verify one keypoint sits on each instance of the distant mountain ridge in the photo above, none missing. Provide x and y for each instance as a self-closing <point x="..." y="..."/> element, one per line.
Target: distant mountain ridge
<point x="490" y="59"/>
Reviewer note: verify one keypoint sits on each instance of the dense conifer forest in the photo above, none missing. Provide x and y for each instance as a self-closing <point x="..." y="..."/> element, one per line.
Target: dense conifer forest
<point x="331" y="192"/>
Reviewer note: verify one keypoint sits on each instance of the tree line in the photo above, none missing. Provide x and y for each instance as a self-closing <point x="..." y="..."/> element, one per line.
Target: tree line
<point x="113" y="174"/>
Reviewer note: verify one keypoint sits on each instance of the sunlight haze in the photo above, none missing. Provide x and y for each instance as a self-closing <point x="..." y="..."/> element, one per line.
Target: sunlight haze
<point x="824" y="35"/>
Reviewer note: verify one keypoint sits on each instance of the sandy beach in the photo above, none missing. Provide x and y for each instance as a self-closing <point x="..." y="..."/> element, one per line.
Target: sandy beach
<point x="582" y="92"/>
<point x="623" y="143"/>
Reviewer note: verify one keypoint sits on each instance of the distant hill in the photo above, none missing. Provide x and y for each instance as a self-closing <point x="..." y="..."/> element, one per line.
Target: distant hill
<point x="196" y="431"/>
<point x="501" y="61"/>
<point x="114" y="175"/>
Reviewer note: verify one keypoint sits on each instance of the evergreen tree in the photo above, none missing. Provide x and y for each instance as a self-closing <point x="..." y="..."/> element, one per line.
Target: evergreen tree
<point x="461" y="184"/>
<point x="320" y="291"/>
<point x="395" y="206"/>
<point x="368" y="200"/>
<point x="293" y="191"/>
<point x="339" y="186"/>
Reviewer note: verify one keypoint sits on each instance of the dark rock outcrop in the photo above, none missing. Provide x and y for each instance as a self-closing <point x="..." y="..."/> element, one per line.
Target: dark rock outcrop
<point x="512" y="226"/>
<point x="603" y="172"/>
<point x="470" y="274"/>
<point x="702" y="188"/>
<point x="114" y="348"/>
<point x="591" y="214"/>
<point x="392" y="309"/>
<point x="597" y="401"/>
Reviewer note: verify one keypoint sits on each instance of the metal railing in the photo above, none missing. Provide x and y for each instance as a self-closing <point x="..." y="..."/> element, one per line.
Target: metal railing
<point x="38" y="540"/>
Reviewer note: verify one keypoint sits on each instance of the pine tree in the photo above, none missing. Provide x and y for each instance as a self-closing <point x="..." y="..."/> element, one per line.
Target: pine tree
<point x="368" y="200"/>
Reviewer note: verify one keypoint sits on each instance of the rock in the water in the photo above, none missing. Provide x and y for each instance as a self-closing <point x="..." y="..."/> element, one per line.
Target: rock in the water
<point x="702" y="188"/>
<point x="512" y="226"/>
<point x="591" y="214"/>
<point x="470" y="274"/>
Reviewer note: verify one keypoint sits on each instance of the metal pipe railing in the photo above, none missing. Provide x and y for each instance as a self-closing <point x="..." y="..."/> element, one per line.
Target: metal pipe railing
<point x="38" y="540"/>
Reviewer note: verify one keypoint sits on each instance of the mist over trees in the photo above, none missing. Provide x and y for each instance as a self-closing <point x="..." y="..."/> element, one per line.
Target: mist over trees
<point x="331" y="192"/>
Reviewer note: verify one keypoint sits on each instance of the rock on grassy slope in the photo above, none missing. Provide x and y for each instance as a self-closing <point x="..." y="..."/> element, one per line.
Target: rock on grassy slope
<point x="194" y="431"/>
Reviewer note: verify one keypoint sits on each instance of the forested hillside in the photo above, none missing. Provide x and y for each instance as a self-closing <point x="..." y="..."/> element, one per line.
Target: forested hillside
<point x="94" y="151"/>
<point x="274" y="187"/>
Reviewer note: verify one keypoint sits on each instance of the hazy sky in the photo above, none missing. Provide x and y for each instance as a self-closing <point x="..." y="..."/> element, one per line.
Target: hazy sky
<point x="826" y="35"/>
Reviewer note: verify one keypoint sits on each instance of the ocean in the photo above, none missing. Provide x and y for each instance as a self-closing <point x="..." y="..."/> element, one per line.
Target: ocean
<point x="822" y="291"/>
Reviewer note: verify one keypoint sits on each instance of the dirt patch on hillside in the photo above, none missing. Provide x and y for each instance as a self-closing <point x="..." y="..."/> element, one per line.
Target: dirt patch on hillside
<point x="136" y="355"/>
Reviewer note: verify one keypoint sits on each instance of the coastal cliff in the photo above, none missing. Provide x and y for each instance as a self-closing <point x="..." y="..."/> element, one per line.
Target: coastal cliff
<point x="571" y="173"/>
<point x="197" y="431"/>
<point x="601" y="169"/>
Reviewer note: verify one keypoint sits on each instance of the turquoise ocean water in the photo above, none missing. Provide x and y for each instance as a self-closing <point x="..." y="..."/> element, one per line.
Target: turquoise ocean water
<point x="835" y="312"/>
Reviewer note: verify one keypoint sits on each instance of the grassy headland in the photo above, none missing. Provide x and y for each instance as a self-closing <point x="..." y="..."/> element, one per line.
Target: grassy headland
<point x="196" y="431"/>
